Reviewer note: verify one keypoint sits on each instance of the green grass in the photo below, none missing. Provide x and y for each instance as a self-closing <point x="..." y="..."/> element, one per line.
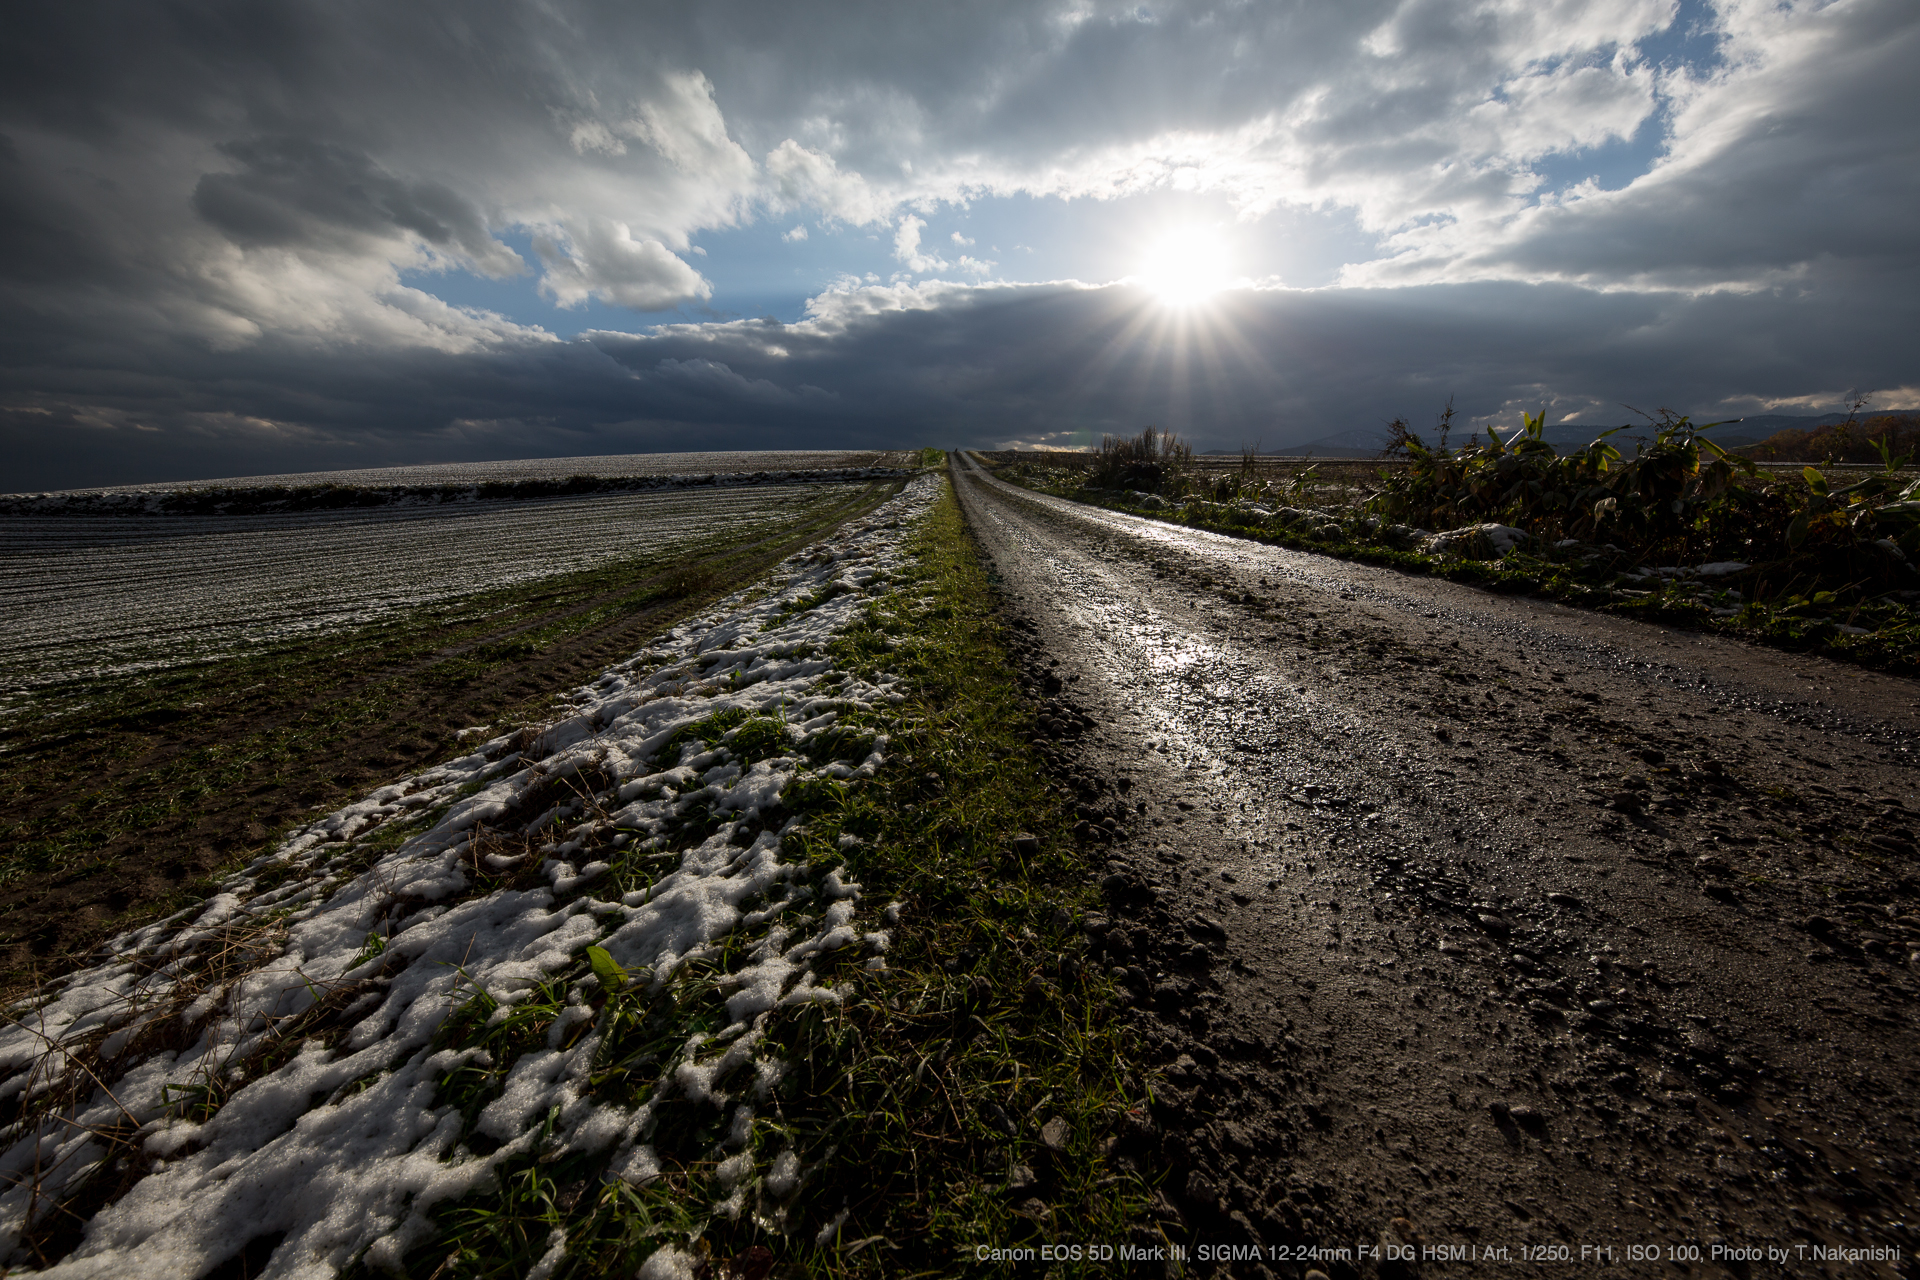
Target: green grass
<point x="913" y="1100"/>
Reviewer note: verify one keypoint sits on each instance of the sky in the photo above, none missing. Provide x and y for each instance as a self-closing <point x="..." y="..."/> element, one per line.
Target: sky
<point x="246" y="238"/>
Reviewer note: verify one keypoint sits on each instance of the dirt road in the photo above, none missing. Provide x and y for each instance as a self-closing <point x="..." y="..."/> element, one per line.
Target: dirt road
<point x="1480" y="924"/>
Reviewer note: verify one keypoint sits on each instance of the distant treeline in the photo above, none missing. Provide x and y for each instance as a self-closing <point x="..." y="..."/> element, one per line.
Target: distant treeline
<point x="1895" y="433"/>
<point x="273" y="499"/>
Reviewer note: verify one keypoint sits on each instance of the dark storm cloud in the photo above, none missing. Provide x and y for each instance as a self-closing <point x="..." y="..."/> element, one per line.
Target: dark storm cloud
<point x="955" y="365"/>
<point x="295" y="191"/>
<point x="975" y="365"/>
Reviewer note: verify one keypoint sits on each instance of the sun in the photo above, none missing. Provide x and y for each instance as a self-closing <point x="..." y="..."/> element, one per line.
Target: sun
<point x="1184" y="266"/>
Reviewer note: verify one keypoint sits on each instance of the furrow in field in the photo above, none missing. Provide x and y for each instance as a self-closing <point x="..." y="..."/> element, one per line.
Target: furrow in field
<point x="93" y="596"/>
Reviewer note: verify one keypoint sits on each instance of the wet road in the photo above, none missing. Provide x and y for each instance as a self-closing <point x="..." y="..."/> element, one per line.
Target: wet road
<point x="1545" y="931"/>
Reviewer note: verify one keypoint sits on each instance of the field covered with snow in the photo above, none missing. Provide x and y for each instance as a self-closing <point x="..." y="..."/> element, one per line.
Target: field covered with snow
<point x="93" y="597"/>
<point x="332" y="1045"/>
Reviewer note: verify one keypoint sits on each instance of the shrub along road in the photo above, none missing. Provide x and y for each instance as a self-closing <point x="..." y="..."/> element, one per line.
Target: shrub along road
<point x="1466" y="920"/>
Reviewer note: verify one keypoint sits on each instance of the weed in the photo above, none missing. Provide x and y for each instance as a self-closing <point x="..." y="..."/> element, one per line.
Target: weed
<point x="1153" y="460"/>
<point x="690" y="580"/>
<point x="905" y="1107"/>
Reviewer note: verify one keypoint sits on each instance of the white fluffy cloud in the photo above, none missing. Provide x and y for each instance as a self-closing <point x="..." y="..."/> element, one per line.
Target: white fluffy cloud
<point x="798" y="177"/>
<point x="907" y="250"/>
<point x="603" y="259"/>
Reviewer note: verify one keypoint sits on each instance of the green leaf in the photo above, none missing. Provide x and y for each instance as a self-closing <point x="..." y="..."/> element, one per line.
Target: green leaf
<point x="375" y="945"/>
<point x="607" y="969"/>
<point x="1797" y="531"/>
<point x="1815" y="481"/>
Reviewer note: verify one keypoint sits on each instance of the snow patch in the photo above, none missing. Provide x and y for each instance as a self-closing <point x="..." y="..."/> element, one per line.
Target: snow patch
<point x="347" y="1148"/>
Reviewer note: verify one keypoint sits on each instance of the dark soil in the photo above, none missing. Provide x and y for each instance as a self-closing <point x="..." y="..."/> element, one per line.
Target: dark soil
<point x="1460" y="922"/>
<point x="198" y="773"/>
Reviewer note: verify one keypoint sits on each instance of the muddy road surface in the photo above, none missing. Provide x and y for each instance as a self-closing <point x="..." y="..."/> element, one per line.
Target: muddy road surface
<point x="1476" y="927"/>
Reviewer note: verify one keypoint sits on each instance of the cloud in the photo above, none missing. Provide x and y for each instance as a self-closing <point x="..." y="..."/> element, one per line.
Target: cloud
<point x="384" y="132"/>
<point x="712" y="384"/>
<point x="215" y="215"/>
<point x="1386" y="111"/>
<point x="298" y="192"/>
<point x="798" y="177"/>
<point x="799" y="233"/>
<point x="234" y="175"/>
<point x="906" y="247"/>
<point x="1775" y="162"/>
<point x="602" y="259"/>
<point x="683" y="123"/>
<point x="416" y="137"/>
<point x="1454" y="132"/>
<point x="944" y="363"/>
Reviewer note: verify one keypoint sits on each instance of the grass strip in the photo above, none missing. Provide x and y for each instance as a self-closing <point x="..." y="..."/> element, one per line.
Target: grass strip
<point x="959" y="1100"/>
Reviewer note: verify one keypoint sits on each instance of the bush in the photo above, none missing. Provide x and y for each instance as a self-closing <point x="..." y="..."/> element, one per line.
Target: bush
<point x="1152" y="460"/>
<point x="1679" y="499"/>
<point x="1656" y="499"/>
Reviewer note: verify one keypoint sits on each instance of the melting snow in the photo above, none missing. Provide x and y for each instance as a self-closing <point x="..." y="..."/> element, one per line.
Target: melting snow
<point x="346" y="1148"/>
<point x="1476" y="539"/>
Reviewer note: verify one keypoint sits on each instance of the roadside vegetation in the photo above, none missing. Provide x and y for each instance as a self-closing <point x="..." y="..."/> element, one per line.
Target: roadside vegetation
<point x="959" y="1098"/>
<point x="1679" y="531"/>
